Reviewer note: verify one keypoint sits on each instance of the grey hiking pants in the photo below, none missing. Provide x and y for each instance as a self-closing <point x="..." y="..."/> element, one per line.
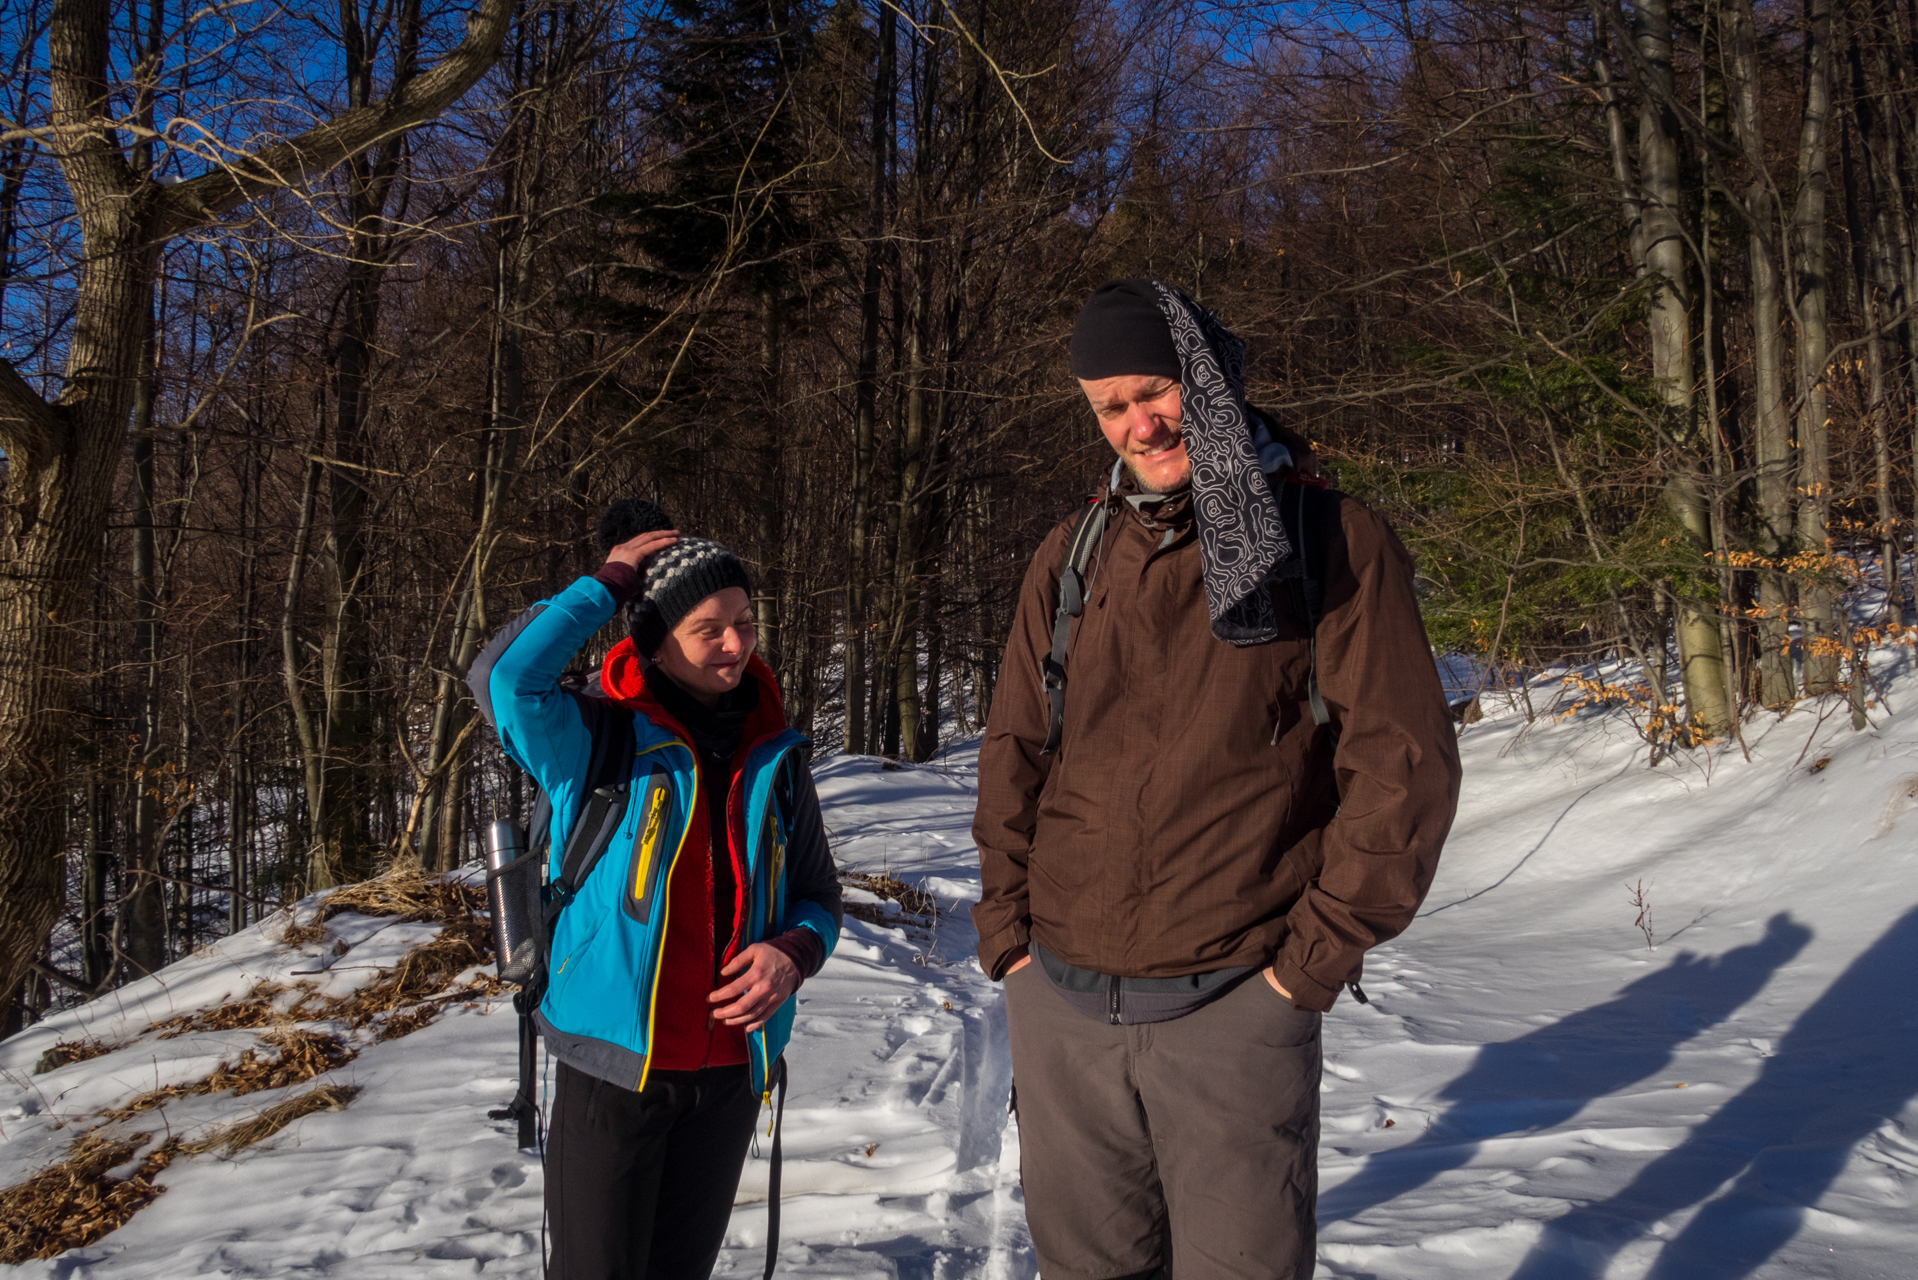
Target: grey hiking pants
<point x="1187" y="1147"/>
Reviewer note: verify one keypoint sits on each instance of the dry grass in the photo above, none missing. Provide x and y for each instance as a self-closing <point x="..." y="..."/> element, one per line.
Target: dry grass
<point x="300" y="1056"/>
<point x="394" y="1001"/>
<point x="404" y="1022"/>
<point x="235" y="1138"/>
<point x="912" y="900"/>
<point x="425" y="971"/>
<point x="254" y="1009"/>
<point x="465" y="940"/>
<point x="74" y="1203"/>
<point x="406" y="893"/>
<point x="295" y="934"/>
<point x="67" y="1052"/>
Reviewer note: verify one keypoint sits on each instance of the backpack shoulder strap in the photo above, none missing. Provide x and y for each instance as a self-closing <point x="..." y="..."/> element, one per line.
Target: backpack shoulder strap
<point x="1069" y="604"/>
<point x="609" y="773"/>
<point x="1303" y="515"/>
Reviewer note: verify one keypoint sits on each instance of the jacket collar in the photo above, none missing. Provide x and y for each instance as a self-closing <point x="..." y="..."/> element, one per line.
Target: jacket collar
<point x="622" y="678"/>
<point x="1158" y="513"/>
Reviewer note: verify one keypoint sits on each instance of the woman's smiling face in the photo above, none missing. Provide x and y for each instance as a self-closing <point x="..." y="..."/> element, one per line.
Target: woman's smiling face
<point x="706" y="653"/>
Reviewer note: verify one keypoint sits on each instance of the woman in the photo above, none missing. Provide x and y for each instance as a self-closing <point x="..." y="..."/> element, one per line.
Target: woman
<point x="673" y="964"/>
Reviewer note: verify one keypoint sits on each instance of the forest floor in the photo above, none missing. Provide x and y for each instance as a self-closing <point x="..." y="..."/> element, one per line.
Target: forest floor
<point x="1533" y="1092"/>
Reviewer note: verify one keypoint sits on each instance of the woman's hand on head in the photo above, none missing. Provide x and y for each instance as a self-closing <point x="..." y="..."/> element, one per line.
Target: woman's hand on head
<point x="767" y="977"/>
<point x="637" y="551"/>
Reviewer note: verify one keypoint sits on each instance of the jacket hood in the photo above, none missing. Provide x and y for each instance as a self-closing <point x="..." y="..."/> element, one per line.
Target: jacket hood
<point x="622" y="678"/>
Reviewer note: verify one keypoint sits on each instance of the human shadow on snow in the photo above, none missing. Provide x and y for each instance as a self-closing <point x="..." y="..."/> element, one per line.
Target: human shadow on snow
<point x="1847" y="1066"/>
<point x="1546" y="1077"/>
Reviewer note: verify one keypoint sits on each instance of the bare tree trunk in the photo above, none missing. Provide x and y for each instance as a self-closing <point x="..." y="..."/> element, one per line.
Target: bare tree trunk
<point x="906" y="584"/>
<point x="1816" y="597"/>
<point x="866" y="408"/>
<point x="1865" y="221"/>
<point x="1668" y="318"/>
<point x="770" y="507"/>
<point x="1771" y="425"/>
<point x="143" y="903"/>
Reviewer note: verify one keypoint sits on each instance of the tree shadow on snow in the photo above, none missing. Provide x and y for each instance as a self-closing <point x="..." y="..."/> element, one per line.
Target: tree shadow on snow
<point x="1847" y="1066"/>
<point x="1545" y="1078"/>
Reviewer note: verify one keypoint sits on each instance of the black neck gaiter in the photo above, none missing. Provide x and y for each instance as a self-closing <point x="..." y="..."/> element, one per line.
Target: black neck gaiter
<point x="715" y="730"/>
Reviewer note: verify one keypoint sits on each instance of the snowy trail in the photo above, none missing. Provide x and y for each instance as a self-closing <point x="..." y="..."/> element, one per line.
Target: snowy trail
<point x="1533" y="1092"/>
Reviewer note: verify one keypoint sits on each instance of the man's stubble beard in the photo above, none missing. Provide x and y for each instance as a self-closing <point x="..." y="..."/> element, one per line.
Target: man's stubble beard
<point x="1183" y="483"/>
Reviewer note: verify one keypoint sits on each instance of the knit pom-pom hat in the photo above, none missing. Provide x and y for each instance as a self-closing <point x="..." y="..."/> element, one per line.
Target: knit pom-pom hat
<point x="677" y="579"/>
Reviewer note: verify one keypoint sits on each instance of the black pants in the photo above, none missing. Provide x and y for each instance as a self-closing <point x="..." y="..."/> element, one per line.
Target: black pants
<point x="639" y="1186"/>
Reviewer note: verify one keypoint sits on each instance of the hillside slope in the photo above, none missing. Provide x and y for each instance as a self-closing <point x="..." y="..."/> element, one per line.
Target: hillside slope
<point x="1533" y="1091"/>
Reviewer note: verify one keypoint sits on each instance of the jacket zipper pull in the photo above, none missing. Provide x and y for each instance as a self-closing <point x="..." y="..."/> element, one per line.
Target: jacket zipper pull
<point x="1358" y="992"/>
<point x="1113" y="986"/>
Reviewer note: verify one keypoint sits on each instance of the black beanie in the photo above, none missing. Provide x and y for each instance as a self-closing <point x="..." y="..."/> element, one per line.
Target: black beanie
<point x="1121" y="331"/>
<point x="626" y="520"/>
<point x="677" y="579"/>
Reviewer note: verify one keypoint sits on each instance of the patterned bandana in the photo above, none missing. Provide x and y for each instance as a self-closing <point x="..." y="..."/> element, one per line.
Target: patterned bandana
<point x="1241" y="537"/>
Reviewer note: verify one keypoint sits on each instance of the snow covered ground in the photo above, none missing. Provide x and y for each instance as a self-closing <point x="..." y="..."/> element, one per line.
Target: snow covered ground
<point x="1533" y="1092"/>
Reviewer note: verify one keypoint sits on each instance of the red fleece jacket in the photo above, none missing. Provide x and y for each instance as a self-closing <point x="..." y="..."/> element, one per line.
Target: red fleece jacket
<point x="685" y="1035"/>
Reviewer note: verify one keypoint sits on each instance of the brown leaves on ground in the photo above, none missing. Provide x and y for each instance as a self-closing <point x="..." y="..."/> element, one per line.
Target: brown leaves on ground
<point x="912" y="900"/>
<point x="297" y="1057"/>
<point x="67" y="1052"/>
<point x="75" y="1203"/>
<point x="254" y="1009"/>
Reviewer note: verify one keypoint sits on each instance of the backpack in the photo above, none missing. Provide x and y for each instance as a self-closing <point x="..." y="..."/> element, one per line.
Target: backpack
<point x="517" y="887"/>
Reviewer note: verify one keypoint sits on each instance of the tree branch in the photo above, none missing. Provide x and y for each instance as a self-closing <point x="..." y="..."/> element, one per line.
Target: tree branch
<point x="200" y="200"/>
<point x="30" y="428"/>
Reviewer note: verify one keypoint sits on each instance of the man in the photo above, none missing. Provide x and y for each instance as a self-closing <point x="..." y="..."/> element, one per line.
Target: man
<point x="1178" y="891"/>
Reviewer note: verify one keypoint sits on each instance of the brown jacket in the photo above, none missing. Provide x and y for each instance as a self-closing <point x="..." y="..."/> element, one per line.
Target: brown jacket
<point x="1194" y="818"/>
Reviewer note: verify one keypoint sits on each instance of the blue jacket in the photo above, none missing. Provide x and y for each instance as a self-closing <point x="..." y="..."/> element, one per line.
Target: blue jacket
<point x="608" y="943"/>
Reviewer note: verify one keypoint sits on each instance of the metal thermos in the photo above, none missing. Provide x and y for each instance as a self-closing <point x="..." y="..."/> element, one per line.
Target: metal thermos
<point x="515" y="902"/>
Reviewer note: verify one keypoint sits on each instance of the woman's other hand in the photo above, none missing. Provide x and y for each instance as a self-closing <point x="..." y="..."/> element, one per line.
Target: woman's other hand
<point x="767" y="977"/>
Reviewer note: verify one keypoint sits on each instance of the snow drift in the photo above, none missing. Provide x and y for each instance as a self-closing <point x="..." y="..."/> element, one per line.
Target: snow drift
<point x="1534" y="1091"/>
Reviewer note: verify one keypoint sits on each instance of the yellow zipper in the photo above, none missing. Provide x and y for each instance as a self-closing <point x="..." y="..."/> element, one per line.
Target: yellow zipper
<point x="649" y="840"/>
<point x="665" y="912"/>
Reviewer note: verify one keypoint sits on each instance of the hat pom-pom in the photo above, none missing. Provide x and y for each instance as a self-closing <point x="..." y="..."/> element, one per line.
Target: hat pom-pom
<point x="626" y="519"/>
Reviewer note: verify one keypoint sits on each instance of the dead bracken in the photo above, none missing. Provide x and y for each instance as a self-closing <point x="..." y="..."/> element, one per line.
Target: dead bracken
<point x="298" y="1057"/>
<point x="75" y="1203"/>
<point x="912" y="900"/>
<point x="255" y="1009"/>
<point x="235" y="1138"/>
<point x="67" y="1052"/>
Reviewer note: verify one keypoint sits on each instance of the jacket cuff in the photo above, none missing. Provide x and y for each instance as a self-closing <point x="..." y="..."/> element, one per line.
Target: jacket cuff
<point x="1307" y="992"/>
<point x="803" y="947"/>
<point x="621" y="581"/>
<point x="995" y="952"/>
